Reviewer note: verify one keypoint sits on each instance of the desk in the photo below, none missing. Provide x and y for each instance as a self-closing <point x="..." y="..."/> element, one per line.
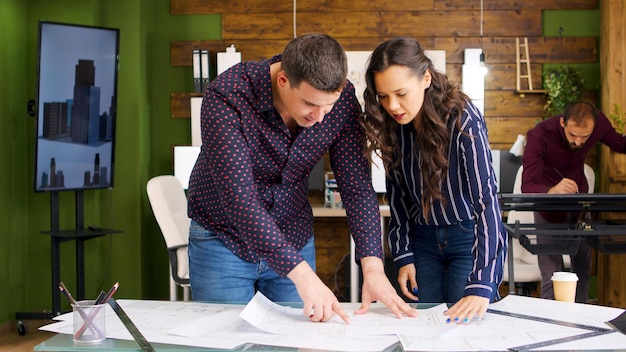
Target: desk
<point x="605" y="236"/>
<point x="323" y="212"/>
<point x="206" y="325"/>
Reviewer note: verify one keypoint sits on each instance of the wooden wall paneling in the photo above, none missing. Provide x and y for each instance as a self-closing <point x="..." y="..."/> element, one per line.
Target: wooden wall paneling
<point x="516" y="5"/>
<point x="567" y="50"/>
<point x="374" y="5"/>
<point x="504" y="130"/>
<point x="339" y="25"/>
<point x="543" y="50"/>
<point x="180" y="104"/>
<point x="508" y="103"/>
<point x="352" y="24"/>
<point x="446" y="23"/>
<point x="206" y="7"/>
<point x="254" y="26"/>
<point x="197" y="7"/>
<point x="383" y="24"/>
<point x="501" y="50"/>
<point x="502" y="76"/>
<point x="369" y="43"/>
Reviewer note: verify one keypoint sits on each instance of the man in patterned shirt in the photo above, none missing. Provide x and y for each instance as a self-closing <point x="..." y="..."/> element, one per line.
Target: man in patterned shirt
<point x="265" y="125"/>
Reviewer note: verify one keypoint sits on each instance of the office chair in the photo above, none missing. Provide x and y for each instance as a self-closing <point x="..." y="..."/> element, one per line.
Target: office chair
<point x="169" y="205"/>
<point x="525" y="265"/>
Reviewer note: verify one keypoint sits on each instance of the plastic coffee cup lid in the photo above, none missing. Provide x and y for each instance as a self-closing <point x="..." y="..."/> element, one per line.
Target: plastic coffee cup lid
<point x="564" y="276"/>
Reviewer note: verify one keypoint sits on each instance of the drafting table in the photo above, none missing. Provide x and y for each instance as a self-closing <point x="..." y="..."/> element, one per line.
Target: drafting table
<point x="607" y="236"/>
<point x="510" y="323"/>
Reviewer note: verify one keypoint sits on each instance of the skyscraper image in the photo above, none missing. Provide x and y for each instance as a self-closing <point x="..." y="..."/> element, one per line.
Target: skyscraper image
<point x="85" y="112"/>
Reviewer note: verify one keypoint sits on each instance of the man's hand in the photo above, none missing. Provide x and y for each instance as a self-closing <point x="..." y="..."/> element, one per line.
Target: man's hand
<point x="467" y="308"/>
<point x="320" y="303"/>
<point x="566" y="186"/>
<point x="376" y="287"/>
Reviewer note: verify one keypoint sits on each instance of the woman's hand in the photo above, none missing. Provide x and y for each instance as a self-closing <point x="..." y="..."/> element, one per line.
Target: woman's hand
<point x="466" y="309"/>
<point x="406" y="279"/>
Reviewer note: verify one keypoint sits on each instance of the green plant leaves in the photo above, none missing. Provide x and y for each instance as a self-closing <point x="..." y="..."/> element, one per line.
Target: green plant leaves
<point x="564" y="85"/>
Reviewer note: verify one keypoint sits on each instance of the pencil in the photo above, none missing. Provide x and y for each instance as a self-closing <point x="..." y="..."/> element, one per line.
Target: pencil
<point x="66" y="293"/>
<point x="110" y="293"/>
<point x="86" y="320"/>
<point x="558" y="173"/>
<point x="102" y="299"/>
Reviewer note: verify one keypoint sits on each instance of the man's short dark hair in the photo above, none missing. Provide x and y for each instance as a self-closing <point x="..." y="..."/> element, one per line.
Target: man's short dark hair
<point x="317" y="59"/>
<point x="579" y="112"/>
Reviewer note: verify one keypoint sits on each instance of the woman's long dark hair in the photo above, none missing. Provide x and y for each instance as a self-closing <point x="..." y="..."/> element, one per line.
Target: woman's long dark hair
<point x="442" y="100"/>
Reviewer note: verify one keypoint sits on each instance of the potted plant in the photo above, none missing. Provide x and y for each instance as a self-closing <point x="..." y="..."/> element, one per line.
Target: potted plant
<point x="564" y="85"/>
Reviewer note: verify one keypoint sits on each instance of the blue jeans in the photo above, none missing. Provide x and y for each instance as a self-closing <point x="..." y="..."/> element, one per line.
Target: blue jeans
<point x="218" y="275"/>
<point x="443" y="260"/>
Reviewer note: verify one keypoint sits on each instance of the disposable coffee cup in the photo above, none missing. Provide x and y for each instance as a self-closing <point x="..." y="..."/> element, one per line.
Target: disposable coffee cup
<point x="564" y="285"/>
<point x="89" y="322"/>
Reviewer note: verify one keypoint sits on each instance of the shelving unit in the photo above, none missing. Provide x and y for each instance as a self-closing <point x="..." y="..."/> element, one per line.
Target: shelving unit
<point x="180" y="104"/>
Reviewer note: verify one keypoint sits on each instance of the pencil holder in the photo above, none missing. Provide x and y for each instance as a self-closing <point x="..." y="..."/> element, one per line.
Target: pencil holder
<point x="89" y="322"/>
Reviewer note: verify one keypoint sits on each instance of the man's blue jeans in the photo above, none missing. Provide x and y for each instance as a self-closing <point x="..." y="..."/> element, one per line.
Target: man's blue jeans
<point x="218" y="275"/>
<point x="443" y="260"/>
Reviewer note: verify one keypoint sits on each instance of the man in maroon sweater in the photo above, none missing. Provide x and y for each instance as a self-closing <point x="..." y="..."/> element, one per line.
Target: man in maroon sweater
<point x="554" y="163"/>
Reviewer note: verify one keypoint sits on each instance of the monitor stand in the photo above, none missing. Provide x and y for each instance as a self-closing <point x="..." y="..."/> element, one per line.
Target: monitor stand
<point x="57" y="236"/>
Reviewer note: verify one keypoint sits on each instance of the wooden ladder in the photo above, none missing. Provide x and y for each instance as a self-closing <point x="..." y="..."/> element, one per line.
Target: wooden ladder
<point x="522" y="61"/>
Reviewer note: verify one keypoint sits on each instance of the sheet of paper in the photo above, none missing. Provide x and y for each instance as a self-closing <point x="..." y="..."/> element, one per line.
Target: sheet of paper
<point x="154" y="319"/>
<point x="262" y="322"/>
<point x="277" y="319"/>
<point x="588" y="314"/>
<point x="493" y="332"/>
<point x="229" y="324"/>
<point x="232" y="326"/>
<point x="499" y="332"/>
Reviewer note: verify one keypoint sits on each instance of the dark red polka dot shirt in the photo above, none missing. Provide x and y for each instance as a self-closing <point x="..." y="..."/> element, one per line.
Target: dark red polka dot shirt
<point x="250" y="182"/>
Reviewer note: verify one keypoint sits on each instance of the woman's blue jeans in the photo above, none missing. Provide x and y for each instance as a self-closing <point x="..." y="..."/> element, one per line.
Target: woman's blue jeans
<point x="218" y="275"/>
<point x="443" y="260"/>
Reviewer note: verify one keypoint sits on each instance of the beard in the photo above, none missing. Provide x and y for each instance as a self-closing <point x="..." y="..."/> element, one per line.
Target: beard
<point x="573" y="146"/>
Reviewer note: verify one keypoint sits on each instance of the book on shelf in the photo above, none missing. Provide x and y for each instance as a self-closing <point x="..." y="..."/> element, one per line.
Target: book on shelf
<point x="204" y="69"/>
<point x="197" y="71"/>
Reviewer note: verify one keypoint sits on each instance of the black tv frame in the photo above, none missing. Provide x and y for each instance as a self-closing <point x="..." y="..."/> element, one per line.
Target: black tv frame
<point x="77" y="69"/>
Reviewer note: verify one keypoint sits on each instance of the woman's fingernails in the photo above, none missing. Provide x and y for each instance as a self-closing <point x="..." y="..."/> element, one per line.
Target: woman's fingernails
<point x="448" y="321"/>
<point x="465" y="320"/>
<point x="415" y="290"/>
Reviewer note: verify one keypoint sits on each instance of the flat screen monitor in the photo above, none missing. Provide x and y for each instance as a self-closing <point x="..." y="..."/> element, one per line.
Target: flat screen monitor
<point x="77" y="71"/>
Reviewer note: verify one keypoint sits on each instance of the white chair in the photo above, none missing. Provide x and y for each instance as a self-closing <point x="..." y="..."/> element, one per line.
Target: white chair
<point x="525" y="265"/>
<point x="169" y="205"/>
